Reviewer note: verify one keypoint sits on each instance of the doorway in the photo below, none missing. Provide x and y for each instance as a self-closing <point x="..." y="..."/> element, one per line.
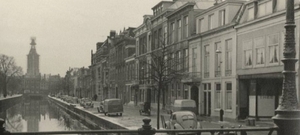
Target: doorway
<point x="195" y="96"/>
<point x="207" y="99"/>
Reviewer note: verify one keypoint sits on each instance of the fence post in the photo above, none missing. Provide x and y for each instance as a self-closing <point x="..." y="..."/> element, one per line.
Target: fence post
<point x="2" y="128"/>
<point x="146" y="129"/>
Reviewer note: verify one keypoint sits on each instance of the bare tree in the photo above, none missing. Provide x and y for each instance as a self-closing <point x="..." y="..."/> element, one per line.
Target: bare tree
<point x="164" y="67"/>
<point x="8" y="70"/>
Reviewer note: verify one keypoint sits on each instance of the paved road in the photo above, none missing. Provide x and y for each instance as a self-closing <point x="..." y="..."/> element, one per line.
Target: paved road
<point x="133" y="120"/>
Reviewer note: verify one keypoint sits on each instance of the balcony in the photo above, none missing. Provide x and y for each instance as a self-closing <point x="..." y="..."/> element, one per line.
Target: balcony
<point x="191" y="77"/>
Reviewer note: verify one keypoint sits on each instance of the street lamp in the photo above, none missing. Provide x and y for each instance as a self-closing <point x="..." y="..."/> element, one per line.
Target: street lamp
<point x="287" y="116"/>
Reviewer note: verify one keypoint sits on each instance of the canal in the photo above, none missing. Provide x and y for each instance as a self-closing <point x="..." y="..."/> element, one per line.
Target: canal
<point x="38" y="114"/>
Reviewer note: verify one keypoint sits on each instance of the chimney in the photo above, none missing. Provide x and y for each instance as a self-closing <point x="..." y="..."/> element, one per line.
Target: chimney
<point x="112" y="33"/>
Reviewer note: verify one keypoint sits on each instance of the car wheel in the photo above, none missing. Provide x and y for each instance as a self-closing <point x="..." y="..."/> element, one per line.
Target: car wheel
<point x="105" y="113"/>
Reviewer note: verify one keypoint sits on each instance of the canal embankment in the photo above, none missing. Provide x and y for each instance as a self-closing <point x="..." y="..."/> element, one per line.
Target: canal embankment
<point x="9" y="101"/>
<point x="89" y="118"/>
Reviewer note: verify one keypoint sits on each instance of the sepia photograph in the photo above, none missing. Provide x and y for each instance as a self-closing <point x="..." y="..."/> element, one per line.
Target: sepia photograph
<point x="149" y="67"/>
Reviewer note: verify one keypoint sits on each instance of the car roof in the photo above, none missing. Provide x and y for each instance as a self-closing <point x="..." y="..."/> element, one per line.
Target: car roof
<point x="112" y="99"/>
<point x="183" y="113"/>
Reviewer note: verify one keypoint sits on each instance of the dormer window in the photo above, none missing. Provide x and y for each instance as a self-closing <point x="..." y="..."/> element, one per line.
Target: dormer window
<point x="265" y="8"/>
<point x="222" y="17"/>
<point x="250" y="13"/>
<point x="210" y="21"/>
<point x="280" y="4"/>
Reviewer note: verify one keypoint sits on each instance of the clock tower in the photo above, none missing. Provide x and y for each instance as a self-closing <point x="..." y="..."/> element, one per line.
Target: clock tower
<point x="33" y="60"/>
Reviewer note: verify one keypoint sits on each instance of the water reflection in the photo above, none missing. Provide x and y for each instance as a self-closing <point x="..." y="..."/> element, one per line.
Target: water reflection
<point x="33" y="115"/>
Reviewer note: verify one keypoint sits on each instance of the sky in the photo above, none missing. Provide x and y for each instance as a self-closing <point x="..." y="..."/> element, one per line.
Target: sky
<point x="65" y="30"/>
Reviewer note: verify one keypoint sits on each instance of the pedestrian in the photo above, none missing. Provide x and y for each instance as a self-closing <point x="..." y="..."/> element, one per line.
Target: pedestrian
<point x="95" y="97"/>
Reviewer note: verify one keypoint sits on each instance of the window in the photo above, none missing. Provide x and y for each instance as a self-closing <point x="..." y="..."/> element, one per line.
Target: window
<point x="265" y="8"/>
<point x="186" y="28"/>
<point x="260" y="51"/>
<point x="185" y="60"/>
<point x="251" y="13"/>
<point x="218" y="96"/>
<point x="172" y="33"/>
<point x="222" y="17"/>
<point x="194" y="60"/>
<point x="218" y="60"/>
<point x="228" y="96"/>
<point x="179" y="60"/>
<point x="179" y="30"/>
<point x="228" y="57"/>
<point x="274" y="49"/>
<point x="210" y="21"/>
<point x="206" y="61"/>
<point x="247" y="47"/>
<point x="280" y="4"/>
<point x="200" y="21"/>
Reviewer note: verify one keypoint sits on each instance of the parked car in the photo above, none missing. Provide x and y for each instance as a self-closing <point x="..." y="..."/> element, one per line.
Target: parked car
<point x="182" y="120"/>
<point x="183" y="105"/>
<point x="113" y="106"/>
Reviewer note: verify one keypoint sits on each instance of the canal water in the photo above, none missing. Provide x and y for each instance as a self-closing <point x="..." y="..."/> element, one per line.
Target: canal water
<point x="33" y="115"/>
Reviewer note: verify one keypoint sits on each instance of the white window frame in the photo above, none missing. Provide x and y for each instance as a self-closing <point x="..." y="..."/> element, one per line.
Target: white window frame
<point x="247" y="47"/>
<point x="271" y="45"/>
<point x="259" y="44"/>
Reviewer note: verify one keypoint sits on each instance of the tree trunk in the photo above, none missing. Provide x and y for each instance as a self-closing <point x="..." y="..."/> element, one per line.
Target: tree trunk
<point x="164" y="99"/>
<point x="158" y="104"/>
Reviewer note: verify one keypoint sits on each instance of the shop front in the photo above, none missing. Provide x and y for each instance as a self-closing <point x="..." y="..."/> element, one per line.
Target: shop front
<point x="259" y="95"/>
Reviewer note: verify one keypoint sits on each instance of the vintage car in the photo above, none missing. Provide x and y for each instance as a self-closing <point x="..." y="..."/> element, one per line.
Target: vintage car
<point x="183" y="105"/>
<point x="182" y="120"/>
<point x="113" y="106"/>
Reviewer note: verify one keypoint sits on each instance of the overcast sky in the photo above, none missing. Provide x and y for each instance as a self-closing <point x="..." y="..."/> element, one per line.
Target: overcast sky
<point x="66" y="30"/>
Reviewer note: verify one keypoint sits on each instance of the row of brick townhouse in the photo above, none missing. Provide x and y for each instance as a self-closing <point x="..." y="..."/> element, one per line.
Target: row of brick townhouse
<point x="229" y="54"/>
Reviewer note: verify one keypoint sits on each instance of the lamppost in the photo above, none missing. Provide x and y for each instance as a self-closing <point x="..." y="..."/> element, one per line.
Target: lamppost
<point x="221" y="92"/>
<point x="287" y="116"/>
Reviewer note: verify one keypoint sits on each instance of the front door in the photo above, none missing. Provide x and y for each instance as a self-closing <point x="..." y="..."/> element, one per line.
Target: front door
<point x="207" y="99"/>
<point x="195" y="96"/>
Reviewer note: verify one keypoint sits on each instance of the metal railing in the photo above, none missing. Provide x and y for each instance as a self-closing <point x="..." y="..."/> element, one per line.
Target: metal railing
<point x="146" y="129"/>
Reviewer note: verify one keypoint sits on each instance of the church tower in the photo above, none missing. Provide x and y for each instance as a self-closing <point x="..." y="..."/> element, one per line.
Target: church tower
<point x="33" y="60"/>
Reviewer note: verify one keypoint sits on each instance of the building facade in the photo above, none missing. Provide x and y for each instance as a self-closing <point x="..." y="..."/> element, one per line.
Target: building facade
<point x="260" y="39"/>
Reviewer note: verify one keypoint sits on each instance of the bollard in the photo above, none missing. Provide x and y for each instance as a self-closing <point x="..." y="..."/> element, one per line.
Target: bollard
<point x="2" y="128"/>
<point x="146" y="129"/>
<point x="221" y="114"/>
